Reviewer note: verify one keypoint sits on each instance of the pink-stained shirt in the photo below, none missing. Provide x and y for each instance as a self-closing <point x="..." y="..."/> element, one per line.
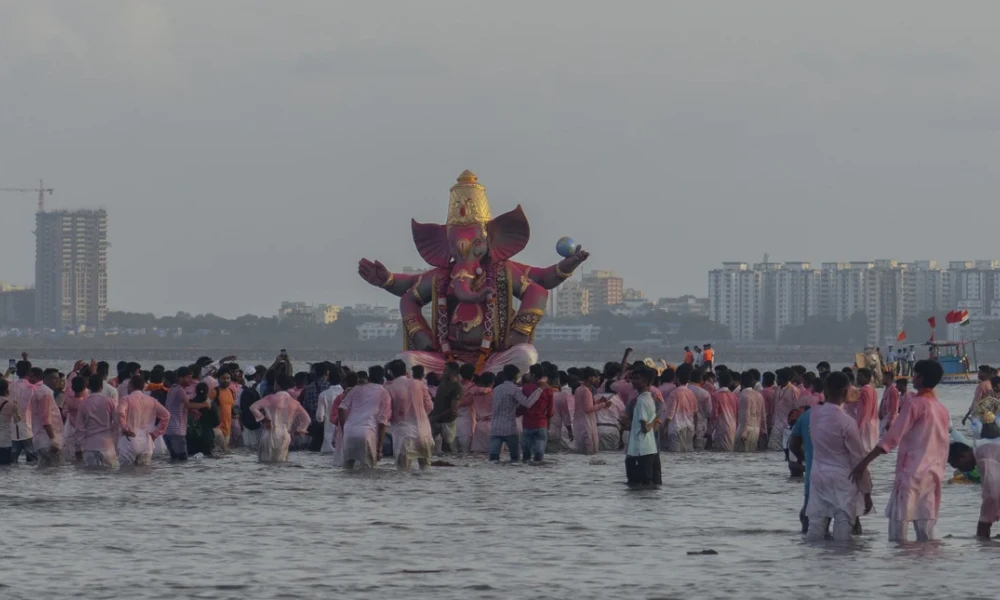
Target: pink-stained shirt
<point x="97" y="423"/>
<point x="411" y="403"/>
<point x="769" y="394"/>
<point x="561" y="415"/>
<point x="808" y="400"/>
<point x="368" y="406"/>
<point x="295" y="392"/>
<point x="585" y="420"/>
<point x="284" y="412"/>
<point x="71" y="404"/>
<point x="751" y="414"/>
<point x="624" y="389"/>
<point x="142" y="415"/>
<point x="680" y="408"/>
<point x="920" y="433"/>
<point x="703" y="418"/>
<point x="44" y="411"/>
<point x="612" y="415"/>
<point x="889" y="407"/>
<point x="983" y="390"/>
<point x="837" y="448"/>
<point x="785" y="401"/>
<point x="482" y="402"/>
<point x="988" y="465"/>
<point x="866" y="413"/>
<point x="20" y="394"/>
<point x="465" y="423"/>
<point x="725" y="414"/>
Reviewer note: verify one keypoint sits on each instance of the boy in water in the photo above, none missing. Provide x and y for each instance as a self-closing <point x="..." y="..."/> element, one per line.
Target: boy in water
<point x="986" y="460"/>
<point x="642" y="459"/>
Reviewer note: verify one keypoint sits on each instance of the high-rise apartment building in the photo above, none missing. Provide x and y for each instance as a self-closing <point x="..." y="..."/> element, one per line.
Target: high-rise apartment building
<point x="734" y="295"/>
<point x="885" y="291"/>
<point x="796" y="293"/>
<point x="572" y="300"/>
<point x="605" y="289"/>
<point x="71" y="269"/>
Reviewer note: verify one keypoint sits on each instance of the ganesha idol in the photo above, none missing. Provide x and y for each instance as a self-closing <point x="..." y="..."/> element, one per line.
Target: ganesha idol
<point x="472" y="286"/>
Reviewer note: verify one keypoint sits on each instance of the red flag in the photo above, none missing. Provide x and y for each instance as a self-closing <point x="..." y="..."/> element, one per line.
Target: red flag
<point x="950" y="317"/>
<point x="901" y="336"/>
<point x="932" y="322"/>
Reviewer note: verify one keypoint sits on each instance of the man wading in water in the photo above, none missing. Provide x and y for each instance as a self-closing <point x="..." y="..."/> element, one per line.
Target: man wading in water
<point x="642" y="460"/>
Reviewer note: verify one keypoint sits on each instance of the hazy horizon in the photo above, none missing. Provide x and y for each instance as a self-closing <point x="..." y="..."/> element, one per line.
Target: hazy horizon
<point x="250" y="152"/>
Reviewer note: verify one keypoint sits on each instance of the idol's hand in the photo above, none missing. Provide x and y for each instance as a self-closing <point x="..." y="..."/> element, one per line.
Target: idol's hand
<point x="571" y="262"/>
<point x="374" y="273"/>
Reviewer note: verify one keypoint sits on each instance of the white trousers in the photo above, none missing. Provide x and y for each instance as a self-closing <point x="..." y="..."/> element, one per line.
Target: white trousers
<point x="842" y="526"/>
<point x="96" y="458"/>
<point x="899" y="530"/>
<point x="251" y="438"/>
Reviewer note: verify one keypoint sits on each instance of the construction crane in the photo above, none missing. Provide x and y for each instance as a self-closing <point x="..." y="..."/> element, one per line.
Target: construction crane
<point x="41" y="189"/>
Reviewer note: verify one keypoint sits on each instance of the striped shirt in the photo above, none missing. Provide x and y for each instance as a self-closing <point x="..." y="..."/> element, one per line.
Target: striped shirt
<point x="506" y="397"/>
<point x="178" y="414"/>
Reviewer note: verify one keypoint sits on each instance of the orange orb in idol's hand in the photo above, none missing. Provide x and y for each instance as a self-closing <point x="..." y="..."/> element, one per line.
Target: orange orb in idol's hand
<point x="565" y="247"/>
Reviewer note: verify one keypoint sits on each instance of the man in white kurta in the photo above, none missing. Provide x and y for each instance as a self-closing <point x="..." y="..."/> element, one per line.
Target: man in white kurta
<point x="837" y="448"/>
<point x="411" y="430"/>
<point x="365" y="413"/>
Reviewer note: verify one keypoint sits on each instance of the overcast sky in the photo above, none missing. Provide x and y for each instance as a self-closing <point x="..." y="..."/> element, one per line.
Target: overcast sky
<point x="252" y="151"/>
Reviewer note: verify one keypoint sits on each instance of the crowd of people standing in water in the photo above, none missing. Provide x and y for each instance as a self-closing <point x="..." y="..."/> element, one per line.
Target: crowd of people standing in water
<point x="829" y="425"/>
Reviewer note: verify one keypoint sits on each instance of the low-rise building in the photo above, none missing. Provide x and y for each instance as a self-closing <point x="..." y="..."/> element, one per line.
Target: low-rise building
<point x="17" y="306"/>
<point x="553" y="332"/>
<point x="377" y="330"/>
<point x="303" y="311"/>
<point x="684" y="305"/>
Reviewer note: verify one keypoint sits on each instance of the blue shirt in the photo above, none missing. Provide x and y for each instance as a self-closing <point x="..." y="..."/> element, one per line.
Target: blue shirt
<point x="801" y="429"/>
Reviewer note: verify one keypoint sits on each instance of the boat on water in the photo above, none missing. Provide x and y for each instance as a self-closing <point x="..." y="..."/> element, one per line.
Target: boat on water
<point x="953" y="356"/>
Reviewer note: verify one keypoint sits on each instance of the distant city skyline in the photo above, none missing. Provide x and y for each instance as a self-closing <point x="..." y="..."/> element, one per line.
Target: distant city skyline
<point x="757" y="301"/>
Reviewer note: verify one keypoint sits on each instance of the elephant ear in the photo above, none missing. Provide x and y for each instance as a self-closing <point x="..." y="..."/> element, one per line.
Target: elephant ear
<point x="508" y="234"/>
<point x="432" y="243"/>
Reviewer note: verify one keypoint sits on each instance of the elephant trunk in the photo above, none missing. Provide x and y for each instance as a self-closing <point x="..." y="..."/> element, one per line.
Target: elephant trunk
<point x="463" y="286"/>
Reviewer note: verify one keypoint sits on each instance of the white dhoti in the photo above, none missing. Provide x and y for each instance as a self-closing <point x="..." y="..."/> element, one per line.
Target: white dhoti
<point x="412" y="448"/>
<point x="273" y="446"/>
<point x="251" y="438"/>
<point x="924" y="528"/>
<point x="360" y="448"/>
<point x="699" y="435"/>
<point x="70" y="444"/>
<point x="609" y="437"/>
<point x="747" y="441"/>
<point x="135" y="451"/>
<point x="97" y="458"/>
<point x="328" y="435"/>
<point x="338" y="447"/>
<point x="522" y="356"/>
<point x="680" y="440"/>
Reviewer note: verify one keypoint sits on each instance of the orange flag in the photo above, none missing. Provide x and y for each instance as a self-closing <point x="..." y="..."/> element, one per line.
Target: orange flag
<point x="901" y="336"/>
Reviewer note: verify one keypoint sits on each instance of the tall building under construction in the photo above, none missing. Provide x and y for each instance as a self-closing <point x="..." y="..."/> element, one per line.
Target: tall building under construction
<point x="71" y="269"/>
